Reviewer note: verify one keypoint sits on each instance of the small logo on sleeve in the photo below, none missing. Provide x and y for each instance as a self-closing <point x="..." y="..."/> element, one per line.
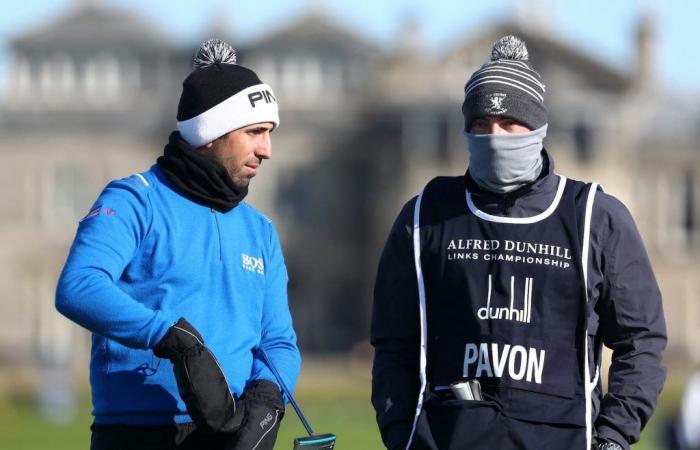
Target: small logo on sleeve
<point x="252" y="264"/>
<point x="97" y="211"/>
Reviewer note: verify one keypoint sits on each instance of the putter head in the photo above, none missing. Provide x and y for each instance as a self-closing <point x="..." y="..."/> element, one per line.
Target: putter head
<point x="315" y="442"/>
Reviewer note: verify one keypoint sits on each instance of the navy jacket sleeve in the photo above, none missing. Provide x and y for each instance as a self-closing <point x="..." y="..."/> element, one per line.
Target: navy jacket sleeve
<point x="631" y="322"/>
<point x="395" y="335"/>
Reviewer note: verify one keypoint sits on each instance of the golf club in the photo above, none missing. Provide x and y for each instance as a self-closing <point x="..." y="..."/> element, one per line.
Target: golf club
<point x="312" y="441"/>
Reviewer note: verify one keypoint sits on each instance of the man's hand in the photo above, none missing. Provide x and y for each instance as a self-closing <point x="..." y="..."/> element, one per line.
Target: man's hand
<point x="606" y="445"/>
<point x="180" y="339"/>
<point x="264" y="408"/>
<point x="200" y="380"/>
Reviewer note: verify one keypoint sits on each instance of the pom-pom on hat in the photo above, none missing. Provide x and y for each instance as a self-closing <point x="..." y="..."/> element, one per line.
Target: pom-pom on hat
<point x="220" y="96"/>
<point x="507" y="86"/>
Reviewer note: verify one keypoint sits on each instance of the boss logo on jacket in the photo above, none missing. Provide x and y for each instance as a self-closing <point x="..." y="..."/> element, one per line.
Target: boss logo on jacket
<point x="252" y="264"/>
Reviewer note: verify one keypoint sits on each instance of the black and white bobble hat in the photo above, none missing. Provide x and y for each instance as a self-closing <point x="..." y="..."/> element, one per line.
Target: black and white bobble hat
<point x="220" y="96"/>
<point x="507" y="86"/>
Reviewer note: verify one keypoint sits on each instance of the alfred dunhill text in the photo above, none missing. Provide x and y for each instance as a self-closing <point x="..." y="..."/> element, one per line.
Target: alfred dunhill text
<point x="509" y="251"/>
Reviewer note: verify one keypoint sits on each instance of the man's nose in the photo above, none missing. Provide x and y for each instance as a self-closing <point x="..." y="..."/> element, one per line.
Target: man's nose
<point x="264" y="149"/>
<point x="496" y="128"/>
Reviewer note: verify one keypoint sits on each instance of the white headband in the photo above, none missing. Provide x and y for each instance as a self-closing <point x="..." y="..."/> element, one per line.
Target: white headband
<point x="255" y="104"/>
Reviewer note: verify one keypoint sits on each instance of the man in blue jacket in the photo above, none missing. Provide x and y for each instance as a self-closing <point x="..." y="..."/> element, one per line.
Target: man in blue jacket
<point x="514" y="277"/>
<point x="183" y="284"/>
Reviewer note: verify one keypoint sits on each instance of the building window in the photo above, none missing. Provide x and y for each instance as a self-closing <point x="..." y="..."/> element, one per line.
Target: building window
<point x="14" y="197"/>
<point x="47" y="78"/>
<point x="56" y="79"/>
<point x="333" y="80"/>
<point x="676" y="212"/>
<point x="689" y="213"/>
<point x="583" y="145"/>
<point x="354" y="73"/>
<point x="291" y="74"/>
<point x="67" y="196"/>
<point x="443" y="137"/>
<point x="302" y="78"/>
<point x="267" y="69"/>
<point x="21" y="84"/>
<point x="312" y="76"/>
<point x="102" y="80"/>
<point x="132" y="75"/>
<point x="421" y="134"/>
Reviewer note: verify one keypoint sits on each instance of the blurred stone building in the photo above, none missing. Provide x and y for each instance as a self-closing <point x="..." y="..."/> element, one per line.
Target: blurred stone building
<point x="86" y="102"/>
<point x="93" y="94"/>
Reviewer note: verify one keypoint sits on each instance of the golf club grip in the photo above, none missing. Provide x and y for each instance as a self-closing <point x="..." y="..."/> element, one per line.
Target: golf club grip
<point x="286" y="392"/>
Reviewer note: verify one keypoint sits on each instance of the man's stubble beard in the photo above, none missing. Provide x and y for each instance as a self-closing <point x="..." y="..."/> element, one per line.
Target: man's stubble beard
<point x="240" y="181"/>
<point x="232" y="170"/>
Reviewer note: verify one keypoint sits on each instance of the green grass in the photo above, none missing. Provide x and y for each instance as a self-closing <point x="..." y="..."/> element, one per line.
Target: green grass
<point x="334" y="398"/>
<point x="23" y="427"/>
<point x="333" y="395"/>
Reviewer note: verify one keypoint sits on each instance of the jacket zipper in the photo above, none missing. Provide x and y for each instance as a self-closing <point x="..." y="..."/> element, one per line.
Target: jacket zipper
<point x="218" y="232"/>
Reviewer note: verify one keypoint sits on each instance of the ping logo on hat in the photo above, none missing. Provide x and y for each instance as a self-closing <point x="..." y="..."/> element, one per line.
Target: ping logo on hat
<point x="261" y="95"/>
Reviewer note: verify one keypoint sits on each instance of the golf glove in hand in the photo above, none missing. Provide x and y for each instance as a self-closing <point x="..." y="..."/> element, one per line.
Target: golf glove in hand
<point x="264" y="408"/>
<point x="200" y="380"/>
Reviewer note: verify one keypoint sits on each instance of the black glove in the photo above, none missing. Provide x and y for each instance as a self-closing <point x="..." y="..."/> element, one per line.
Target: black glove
<point x="200" y="380"/>
<point x="264" y="409"/>
<point x="606" y="445"/>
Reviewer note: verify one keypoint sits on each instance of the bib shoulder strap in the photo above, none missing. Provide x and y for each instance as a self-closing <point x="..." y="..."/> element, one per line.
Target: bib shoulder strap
<point x="443" y="197"/>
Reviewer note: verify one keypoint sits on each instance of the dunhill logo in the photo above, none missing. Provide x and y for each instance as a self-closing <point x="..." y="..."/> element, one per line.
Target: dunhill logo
<point x="509" y="313"/>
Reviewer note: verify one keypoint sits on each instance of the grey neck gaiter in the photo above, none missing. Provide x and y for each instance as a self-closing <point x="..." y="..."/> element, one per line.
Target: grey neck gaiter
<point x="502" y="163"/>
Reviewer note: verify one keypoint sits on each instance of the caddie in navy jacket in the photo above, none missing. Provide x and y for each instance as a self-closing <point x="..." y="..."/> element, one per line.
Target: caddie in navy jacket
<point x="183" y="284"/>
<point x="515" y="276"/>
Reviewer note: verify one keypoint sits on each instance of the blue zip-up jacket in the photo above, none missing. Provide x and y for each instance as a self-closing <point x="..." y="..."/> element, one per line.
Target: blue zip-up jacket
<point x="145" y="256"/>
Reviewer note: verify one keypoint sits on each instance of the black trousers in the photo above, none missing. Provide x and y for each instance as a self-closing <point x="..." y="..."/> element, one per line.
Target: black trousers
<point x="182" y="436"/>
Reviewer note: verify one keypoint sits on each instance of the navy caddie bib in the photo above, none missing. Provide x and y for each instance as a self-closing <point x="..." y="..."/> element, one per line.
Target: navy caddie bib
<point x="504" y="301"/>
